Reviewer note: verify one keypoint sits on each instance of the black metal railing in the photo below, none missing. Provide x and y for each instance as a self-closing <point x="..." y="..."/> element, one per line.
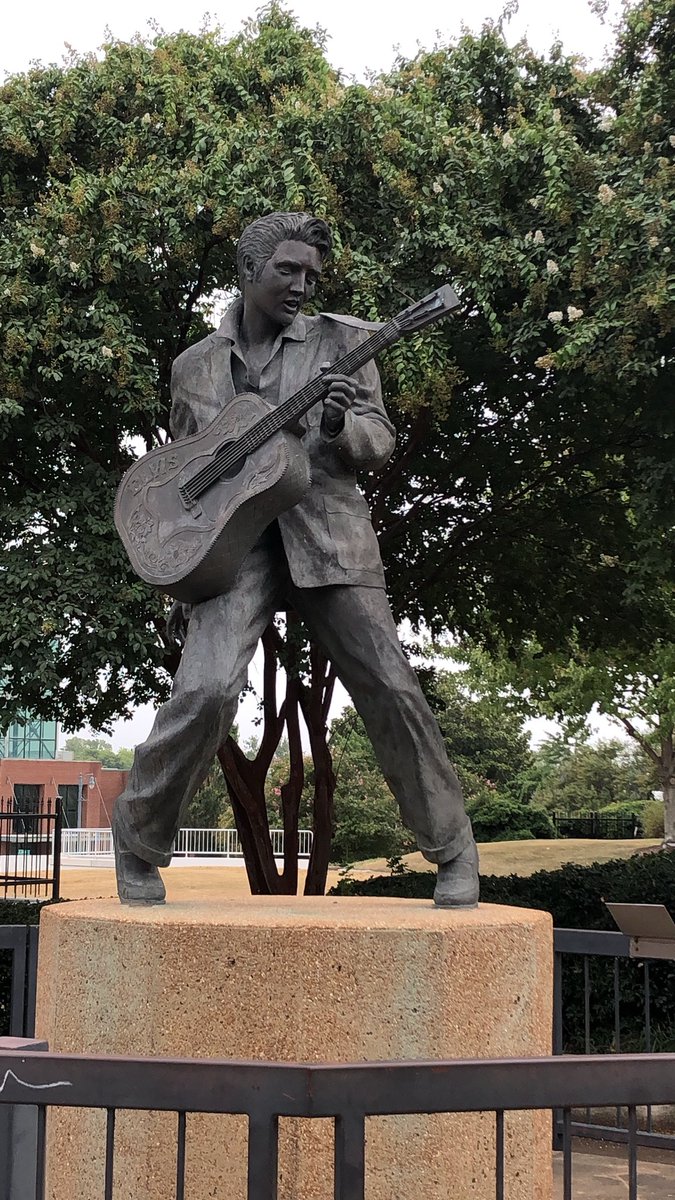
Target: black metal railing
<point x="347" y="1094"/>
<point x="593" y="991"/>
<point x="597" y="825"/>
<point x="19" y="944"/>
<point x="30" y="850"/>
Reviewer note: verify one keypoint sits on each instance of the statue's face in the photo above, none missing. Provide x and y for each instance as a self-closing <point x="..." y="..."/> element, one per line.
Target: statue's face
<point x="286" y="282"/>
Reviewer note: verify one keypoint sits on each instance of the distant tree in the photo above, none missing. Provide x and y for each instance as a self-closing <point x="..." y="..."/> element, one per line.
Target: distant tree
<point x="367" y="819"/>
<point x="99" y="749"/>
<point x="594" y="776"/>
<point x="484" y="734"/>
<point x="210" y="808"/>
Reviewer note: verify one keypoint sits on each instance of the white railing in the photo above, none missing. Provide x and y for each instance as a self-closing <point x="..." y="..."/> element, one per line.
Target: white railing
<point x="87" y="843"/>
<point x="190" y="843"/>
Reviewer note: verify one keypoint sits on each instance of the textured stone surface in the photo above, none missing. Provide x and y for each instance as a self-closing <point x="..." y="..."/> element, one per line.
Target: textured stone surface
<point x="307" y="979"/>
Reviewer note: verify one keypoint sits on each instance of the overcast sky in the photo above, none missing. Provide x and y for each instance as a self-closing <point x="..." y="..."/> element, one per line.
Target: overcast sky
<point x="361" y="38"/>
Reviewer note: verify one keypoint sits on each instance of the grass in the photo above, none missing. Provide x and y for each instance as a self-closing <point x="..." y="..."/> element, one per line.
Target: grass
<point x="524" y="858"/>
<point x="497" y="858"/>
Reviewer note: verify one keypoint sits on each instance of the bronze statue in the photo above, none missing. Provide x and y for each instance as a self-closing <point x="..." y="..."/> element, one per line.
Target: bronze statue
<point x="319" y="557"/>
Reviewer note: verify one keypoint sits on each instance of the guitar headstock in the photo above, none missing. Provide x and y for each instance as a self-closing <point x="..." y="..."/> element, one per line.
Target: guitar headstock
<point x="424" y="312"/>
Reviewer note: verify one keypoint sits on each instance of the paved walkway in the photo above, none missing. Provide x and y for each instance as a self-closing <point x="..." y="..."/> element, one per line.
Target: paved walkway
<point x="604" y="1176"/>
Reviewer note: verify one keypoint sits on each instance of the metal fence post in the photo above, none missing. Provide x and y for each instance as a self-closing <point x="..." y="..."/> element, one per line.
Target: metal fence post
<point x="57" y="834"/>
<point x="18" y="1135"/>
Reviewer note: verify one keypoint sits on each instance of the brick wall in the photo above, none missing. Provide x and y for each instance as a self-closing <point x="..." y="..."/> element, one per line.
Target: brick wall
<point x="101" y="785"/>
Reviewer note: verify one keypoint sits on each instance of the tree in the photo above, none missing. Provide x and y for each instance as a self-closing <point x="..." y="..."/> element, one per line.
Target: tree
<point x="484" y="735"/>
<point x="526" y="427"/>
<point x="636" y="691"/>
<point x="100" y="750"/>
<point x="595" y="776"/>
<point x="210" y="807"/>
<point x="367" y="820"/>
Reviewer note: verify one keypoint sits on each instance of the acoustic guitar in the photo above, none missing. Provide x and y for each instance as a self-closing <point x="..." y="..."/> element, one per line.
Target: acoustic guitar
<point x="189" y="512"/>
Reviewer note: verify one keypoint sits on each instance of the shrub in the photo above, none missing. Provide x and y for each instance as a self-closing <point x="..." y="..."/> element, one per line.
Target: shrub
<point x="652" y="819"/>
<point x="503" y="820"/>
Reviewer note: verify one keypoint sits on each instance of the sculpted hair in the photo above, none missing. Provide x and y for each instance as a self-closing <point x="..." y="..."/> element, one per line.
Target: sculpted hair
<point x="260" y="239"/>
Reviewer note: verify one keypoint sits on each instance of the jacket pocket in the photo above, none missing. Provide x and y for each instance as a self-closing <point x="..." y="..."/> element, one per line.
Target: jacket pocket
<point x="352" y="533"/>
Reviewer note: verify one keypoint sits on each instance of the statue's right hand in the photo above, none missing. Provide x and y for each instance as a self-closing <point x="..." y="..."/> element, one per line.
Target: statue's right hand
<point x="177" y="621"/>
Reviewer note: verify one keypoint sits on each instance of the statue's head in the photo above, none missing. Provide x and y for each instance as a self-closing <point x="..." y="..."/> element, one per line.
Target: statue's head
<point x="279" y="259"/>
<point x="261" y="238"/>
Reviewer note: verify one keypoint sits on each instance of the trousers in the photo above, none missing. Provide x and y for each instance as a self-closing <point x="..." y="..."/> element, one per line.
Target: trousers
<point x="355" y="628"/>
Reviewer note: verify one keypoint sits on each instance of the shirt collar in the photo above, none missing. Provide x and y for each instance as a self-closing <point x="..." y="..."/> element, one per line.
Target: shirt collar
<point x="229" y="326"/>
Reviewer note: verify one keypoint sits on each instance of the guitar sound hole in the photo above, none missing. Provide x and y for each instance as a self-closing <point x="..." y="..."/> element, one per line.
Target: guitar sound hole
<point x="234" y="470"/>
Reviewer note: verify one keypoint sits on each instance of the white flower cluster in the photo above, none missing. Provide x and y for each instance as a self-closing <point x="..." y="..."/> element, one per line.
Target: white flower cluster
<point x="106" y="352"/>
<point x="605" y="193"/>
<point x="671" y="139"/>
<point x="606" y="121"/>
<point x="573" y="314"/>
<point x="37" y="251"/>
<point x="508" y="140"/>
<point x="552" y="267"/>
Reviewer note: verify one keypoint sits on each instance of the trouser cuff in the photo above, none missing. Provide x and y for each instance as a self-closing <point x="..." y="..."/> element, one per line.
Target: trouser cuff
<point x="126" y="838"/>
<point x="444" y="854"/>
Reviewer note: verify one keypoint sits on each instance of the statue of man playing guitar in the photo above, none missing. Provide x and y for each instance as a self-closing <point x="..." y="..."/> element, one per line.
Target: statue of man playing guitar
<point x="319" y="557"/>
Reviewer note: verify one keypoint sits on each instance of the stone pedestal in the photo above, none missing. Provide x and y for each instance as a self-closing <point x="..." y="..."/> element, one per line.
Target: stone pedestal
<point x="297" y="979"/>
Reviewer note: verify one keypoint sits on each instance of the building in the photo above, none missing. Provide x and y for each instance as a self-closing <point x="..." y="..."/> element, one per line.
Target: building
<point x="33" y="773"/>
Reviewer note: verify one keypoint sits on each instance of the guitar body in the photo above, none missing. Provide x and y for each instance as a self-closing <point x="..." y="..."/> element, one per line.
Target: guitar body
<point x="194" y="553"/>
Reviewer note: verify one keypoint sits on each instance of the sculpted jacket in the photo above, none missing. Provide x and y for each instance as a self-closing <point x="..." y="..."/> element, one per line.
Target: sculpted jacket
<point x="328" y="536"/>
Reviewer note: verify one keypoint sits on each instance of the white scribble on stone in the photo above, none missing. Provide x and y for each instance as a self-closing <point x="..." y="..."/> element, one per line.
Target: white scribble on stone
<point x="37" y="1087"/>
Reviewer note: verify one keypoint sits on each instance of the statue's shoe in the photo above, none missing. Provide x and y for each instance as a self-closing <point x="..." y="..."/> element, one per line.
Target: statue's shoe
<point x="457" y="885"/>
<point x="138" y="881"/>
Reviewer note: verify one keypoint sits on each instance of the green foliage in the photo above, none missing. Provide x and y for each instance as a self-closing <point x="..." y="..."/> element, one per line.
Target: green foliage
<point x="210" y="807"/>
<point x="484" y="735"/>
<point x="652" y="819"/>
<point x="367" y="820"/>
<point x="504" y="820"/>
<point x="607" y="776"/>
<point x="125" y="180"/>
<point x="99" y="750"/>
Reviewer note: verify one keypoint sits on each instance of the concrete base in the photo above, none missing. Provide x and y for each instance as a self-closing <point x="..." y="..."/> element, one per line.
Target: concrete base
<point x="316" y="980"/>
